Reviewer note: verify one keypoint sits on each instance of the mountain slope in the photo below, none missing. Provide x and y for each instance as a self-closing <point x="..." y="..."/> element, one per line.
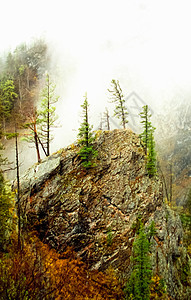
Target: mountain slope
<point x="174" y="147"/>
<point x="96" y="211"/>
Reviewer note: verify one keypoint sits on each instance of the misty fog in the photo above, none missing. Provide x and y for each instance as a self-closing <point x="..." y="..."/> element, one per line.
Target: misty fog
<point x="144" y="44"/>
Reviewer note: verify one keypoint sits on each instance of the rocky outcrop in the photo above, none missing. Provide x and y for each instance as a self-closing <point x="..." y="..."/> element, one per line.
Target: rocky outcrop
<point x="95" y="211"/>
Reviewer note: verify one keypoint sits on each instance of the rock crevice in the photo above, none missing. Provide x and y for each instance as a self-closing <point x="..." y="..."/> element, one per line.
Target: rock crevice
<point x="95" y="210"/>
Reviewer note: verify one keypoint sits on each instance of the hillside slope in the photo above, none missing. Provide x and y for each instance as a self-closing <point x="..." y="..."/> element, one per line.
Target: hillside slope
<point x="96" y="211"/>
<point x="174" y="147"/>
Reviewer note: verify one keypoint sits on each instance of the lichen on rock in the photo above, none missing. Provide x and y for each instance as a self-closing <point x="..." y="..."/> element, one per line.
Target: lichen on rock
<point x="95" y="210"/>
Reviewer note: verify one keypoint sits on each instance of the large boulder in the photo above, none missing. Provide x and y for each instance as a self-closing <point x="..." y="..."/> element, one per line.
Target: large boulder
<point x="96" y="210"/>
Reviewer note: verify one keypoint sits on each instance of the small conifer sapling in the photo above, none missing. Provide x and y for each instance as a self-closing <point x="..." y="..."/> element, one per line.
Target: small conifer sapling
<point x="87" y="153"/>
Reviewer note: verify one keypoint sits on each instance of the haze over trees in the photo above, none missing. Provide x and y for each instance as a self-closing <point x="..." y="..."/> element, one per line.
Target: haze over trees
<point x="48" y="274"/>
<point x="47" y="115"/>
<point x="19" y="79"/>
<point x="42" y="118"/>
<point x="8" y="96"/>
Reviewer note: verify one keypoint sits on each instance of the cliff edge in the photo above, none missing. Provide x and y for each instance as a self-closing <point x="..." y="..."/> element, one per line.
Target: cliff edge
<point x="95" y="211"/>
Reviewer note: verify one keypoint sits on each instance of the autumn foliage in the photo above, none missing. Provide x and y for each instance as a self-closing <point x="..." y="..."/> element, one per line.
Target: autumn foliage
<point x="38" y="272"/>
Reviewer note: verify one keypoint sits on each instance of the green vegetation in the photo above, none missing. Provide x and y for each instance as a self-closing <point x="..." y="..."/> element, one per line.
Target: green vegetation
<point x="35" y="271"/>
<point x="151" y="158"/>
<point x="20" y="79"/>
<point x="117" y="97"/>
<point x="41" y="121"/>
<point x="152" y="231"/>
<point x="138" y="286"/>
<point x="46" y="114"/>
<point x="109" y="237"/>
<point x="87" y="153"/>
<point x="185" y="215"/>
<point x="21" y="73"/>
<point x="145" y="116"/>
<point x="147" y="138"/>
<point x="8" y="97"/>
<point x="6" y="212"/>
<point x="141" y="284"/>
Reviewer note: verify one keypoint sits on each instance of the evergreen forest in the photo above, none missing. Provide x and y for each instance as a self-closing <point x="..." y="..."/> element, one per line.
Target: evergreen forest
<point x="32" y="269"/>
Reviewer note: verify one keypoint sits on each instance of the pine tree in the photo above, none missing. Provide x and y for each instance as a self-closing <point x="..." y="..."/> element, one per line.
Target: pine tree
<point x="47" y="115"/>
<point x="18" y="186"/>
<point x="117" y="97"/>
<point x="151" y="159"/>
<point x="138" y="287"/>
<point x="6" y="211"/>
<point x="15" y="135"/>
<point x="87" y="152"/>
<point x="145" y="116"/>
<point x="7" y="98"/>
<point x="147" y="138"/>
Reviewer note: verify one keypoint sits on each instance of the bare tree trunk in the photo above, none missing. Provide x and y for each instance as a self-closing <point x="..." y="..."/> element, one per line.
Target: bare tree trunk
<point x="146" y="131"/>
<point x="48" y="120"/>
<point x="28" y="84"/>
<point x="107" y="119"/>
<point x="123" y="114"/>
<point x="171" y="182"/>
<point x="20" y="94"/>
<point x="101" y="123"/>
<point x="164" y="182"/>
<point x="18" y="188"/>
<point x="87" y="130"/>
<point x="36" y="143"/>
<point x="123" y="121"/>
<point x="4" y="127"/>
<point x="44" y="150"/>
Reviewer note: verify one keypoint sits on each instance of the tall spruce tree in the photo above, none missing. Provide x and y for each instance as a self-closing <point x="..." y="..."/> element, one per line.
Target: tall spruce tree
<point x="7" y="98"/>
<point x="6" y="206"/>
<point x="47" y="115"/>
<point x="117" y="97"/>
<point x="87" y="153"/>
<point x="145" y="116"/>
<point x="15" y="135"/>
<point x="6" y="212"/>
<point x="151" y="158"/>
<point x="138" y="286"/>
<point x="147" y="138"/>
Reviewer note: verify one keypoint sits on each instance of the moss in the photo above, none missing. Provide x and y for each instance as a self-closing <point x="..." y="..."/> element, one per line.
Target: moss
<point x="98" y="133"/>
<point x="136" y="225"/>
<point x="185" y="274"/>
<point x="109" y="237"/>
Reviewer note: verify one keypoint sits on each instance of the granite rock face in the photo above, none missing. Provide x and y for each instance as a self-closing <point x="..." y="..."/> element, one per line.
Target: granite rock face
<point x="95" y="210"/>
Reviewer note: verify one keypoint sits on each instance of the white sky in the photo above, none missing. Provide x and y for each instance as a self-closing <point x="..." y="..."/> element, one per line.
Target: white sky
<point x="145" y="44"/>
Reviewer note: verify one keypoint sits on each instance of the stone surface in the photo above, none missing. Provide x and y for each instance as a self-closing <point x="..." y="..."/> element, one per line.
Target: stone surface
<point x="95" y="210"/>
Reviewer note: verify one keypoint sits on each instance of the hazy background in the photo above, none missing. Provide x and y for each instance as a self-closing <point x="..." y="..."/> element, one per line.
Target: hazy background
<point x="146" y="45"/>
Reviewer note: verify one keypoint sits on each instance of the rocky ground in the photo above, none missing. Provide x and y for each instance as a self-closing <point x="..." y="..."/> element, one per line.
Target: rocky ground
<point x="96" y="211"/>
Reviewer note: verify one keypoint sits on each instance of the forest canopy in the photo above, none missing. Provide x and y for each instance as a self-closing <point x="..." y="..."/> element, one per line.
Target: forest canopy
<point x="20" y="75"/>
